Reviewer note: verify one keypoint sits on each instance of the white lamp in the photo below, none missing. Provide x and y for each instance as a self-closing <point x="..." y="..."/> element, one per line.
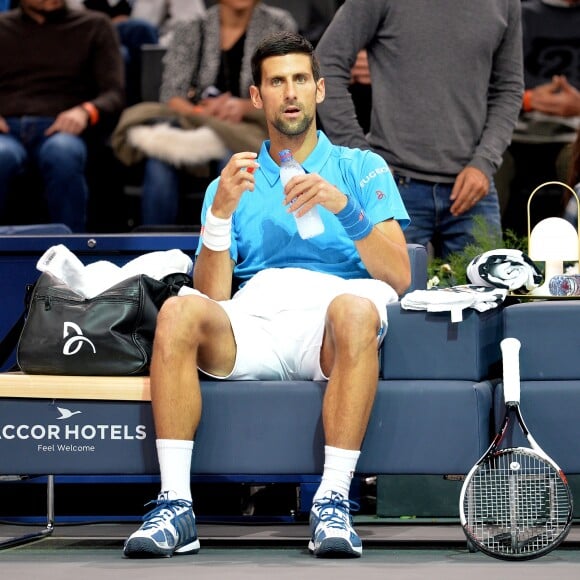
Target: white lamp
<point x="553" y="241"/>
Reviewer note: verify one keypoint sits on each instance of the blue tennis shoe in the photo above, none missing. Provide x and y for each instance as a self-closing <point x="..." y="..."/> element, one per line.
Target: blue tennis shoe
<point x="331" y="526"/>
<point x="169" y="528"/>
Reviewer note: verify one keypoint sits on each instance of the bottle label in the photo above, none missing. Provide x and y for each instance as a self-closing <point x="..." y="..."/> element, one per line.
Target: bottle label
<point x="565" y="285"/>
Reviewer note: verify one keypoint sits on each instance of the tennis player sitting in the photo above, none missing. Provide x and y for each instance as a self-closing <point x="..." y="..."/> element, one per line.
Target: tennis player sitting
<point x="310" y="309"/>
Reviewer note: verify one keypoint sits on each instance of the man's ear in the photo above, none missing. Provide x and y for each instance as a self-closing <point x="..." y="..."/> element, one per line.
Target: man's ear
<point x="256" y="97"/>
<point x="320" y="91"/>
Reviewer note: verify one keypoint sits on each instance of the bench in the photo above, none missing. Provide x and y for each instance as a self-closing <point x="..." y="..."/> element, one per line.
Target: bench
<point x="432" y="413"/>
<point x="104" y="425"/>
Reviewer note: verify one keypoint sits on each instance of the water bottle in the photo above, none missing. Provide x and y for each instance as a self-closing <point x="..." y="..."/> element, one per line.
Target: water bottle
<point x="565" y="285"/>
<point x="310" y="224"/>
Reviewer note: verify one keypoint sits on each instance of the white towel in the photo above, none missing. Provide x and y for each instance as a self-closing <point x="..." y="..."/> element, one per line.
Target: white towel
<point x="91" y="280"/>
<point x="505" y="268"/>
<point x="454" y="299"/>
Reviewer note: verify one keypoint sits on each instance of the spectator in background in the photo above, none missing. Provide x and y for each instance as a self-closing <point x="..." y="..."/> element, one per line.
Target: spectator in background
<point x="133" y="34"/>
<point x="59" y="86"/>
<point x="550" y="112"/>
<point x="206" y="74"/>
<point x="165" y="14"/>
<point x="443" y="111"/>
<point x="312" y="16"/>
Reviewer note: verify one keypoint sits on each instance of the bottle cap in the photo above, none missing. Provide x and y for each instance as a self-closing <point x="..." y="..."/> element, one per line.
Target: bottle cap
<point x="285" y="154"/>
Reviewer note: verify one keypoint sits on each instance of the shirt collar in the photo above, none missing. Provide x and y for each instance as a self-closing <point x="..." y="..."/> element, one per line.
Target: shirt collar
<point x="312" y="164"/>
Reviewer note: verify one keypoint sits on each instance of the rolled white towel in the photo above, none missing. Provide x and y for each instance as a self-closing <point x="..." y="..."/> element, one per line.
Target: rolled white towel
<point x="505" y="268"/>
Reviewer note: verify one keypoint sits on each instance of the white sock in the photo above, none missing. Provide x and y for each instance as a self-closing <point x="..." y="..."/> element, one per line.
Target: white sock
<point x="175" y="467"/>
<point x="339" y="467"/>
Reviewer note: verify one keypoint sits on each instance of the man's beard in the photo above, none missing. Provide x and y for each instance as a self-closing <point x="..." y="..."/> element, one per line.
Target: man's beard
<point x="293" y="128"/>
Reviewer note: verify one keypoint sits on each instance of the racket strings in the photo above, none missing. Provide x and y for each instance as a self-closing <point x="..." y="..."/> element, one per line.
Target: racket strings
<point x="516" y="504"/>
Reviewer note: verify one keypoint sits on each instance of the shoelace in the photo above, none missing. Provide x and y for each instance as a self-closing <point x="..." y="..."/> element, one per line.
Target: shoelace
<point x="164" y="509"/>
<point x="335" y="510"/>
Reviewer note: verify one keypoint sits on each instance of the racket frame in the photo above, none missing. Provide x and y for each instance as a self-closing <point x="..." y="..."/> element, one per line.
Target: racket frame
<point x="510" y="350"/>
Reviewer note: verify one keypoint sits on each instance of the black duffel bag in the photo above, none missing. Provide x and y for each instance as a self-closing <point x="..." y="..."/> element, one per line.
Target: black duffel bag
<point x="111" y="334"/>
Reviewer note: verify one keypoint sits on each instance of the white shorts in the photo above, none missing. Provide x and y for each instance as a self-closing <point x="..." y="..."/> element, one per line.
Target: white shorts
<point x="278" y="321"/>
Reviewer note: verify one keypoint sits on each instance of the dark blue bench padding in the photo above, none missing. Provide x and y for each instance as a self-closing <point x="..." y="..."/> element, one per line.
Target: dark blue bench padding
<point x="425" y="345"/>
<point x="550" y="335"/>
<point x="252" y="427"/>
<point x="551" y="410"/>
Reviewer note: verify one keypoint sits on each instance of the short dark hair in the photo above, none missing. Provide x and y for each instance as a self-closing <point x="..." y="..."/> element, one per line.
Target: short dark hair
<point x="281" y="44"/>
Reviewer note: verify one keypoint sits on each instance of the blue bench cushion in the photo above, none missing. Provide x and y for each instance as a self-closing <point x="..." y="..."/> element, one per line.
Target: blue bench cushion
<point x="550" y="335"/>
<point x="550" y="410"/>
<point x="424" y="345"/>
<point x="251" y="427"/>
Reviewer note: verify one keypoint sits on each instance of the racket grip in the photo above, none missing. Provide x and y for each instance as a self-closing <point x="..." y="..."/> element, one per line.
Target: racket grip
<point x="510" y="349"/>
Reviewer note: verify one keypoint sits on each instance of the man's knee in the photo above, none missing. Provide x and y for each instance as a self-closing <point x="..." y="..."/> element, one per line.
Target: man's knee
<point x="63" y="149"/>
<point x="12" y="157"/>
<point x="180" y="313"/>
<point x="353" y="317"/>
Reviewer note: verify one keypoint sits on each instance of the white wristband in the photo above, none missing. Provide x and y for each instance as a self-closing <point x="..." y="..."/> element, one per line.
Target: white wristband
<point x="216" y="233"/>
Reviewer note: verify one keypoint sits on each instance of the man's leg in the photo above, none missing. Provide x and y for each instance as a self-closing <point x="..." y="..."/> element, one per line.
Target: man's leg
<point x="420" y="200"/>
<point x="12" y="162"/>
<point x="191" y="331"/>
<point x="62" y="159"/>
<point x="133" y="34"/>
<point x="456" y="232"/>
<point x="349" y="357"/>
<point x="160" y="199"/>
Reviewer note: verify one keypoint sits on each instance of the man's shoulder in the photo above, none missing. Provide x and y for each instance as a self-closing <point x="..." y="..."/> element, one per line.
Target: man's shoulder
<point x="90" y="18"/>
<point x="354" y="155"/>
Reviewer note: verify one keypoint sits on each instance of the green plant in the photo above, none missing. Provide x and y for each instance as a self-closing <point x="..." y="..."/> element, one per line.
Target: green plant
<point x="453" y="270"/>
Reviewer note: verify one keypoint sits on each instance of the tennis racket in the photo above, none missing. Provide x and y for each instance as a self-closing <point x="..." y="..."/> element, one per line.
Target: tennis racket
<point x="515" y="503"/>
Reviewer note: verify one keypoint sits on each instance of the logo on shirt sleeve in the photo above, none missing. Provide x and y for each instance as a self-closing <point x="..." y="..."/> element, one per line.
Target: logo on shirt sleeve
<point x="374" y="173"/>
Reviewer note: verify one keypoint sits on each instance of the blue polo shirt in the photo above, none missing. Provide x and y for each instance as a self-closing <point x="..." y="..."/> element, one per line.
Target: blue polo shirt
<point x="264" y="234"/>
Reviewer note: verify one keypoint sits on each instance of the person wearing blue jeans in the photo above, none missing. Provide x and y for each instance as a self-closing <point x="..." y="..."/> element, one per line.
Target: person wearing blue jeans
<point x="60" y="159"/>
<point x="442" y="112"/>
<point x="60" y="92"/>
<point x="207" y="72"/>
<point x="430" y="205"/>
<point x="160" y="199"/>
<point x="161" y="191"/>
<point x="133" y="34"/>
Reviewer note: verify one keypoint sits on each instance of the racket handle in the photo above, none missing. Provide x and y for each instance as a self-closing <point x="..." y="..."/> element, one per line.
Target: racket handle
<point x="510" y="349"/>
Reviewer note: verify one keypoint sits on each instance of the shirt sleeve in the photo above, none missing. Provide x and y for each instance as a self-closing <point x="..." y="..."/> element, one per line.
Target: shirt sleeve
<point x="108" y="68"/>
<point x="376" y="190"/>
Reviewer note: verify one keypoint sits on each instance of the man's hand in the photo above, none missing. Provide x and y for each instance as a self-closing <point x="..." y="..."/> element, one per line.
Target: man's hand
<point x="303" y="192"/>
<point x="73" y="121"/>
<point x="360" y="73"/>
<point x="226" y="108"/>
<point x="4" y="126"/>
<point x="236" y="178"/>
<point x="470" y="186"/>
<point x="558" y="97"/>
